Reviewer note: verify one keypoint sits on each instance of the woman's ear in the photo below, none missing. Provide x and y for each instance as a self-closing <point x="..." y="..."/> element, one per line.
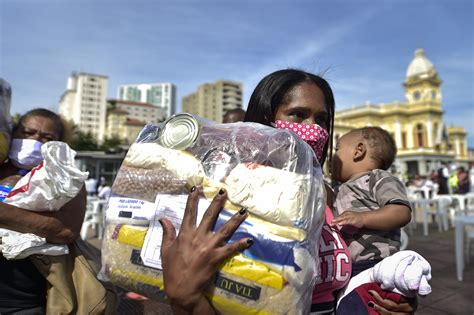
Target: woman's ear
<point x="359" y="152"/>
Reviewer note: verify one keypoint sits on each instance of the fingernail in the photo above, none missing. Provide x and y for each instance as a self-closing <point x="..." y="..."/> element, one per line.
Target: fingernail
<point x="243" y="211"/>
<point x="249" y="241"/>
<point x="370" y="292"/>
<point x="193" y="189"/>
<point x="371" y="304"/>
<point x="221" y="191"/>
<point x="159" y="220"/>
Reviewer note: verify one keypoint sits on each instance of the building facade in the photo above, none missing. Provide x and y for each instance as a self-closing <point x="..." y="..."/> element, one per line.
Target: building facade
<point x="423" y="140"/>
<point x="213" y="100"/>
<point x="84" y="102"/>
<point x="100" y="164"/>
<point x="125" y="119"/>
<point x="159" y="94"/>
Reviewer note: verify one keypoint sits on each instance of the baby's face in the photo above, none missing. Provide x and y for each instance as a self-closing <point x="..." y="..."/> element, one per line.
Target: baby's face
<point x="342" y="161"/>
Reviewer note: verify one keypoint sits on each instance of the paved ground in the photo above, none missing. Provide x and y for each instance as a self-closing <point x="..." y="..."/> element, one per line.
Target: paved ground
<point x="449" y="295"/>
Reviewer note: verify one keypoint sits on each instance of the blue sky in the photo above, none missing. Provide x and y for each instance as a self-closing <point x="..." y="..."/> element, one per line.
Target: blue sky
<point x="362" y="47"/>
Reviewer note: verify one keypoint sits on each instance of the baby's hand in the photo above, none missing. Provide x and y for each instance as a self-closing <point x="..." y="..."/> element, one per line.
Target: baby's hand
<point x="349" y="218"/>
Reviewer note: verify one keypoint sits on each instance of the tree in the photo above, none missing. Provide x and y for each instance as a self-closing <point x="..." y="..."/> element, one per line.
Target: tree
<point x="111" y="144"/>
<point x="79" y="140"/>
<point x="82" y="141"/>
<point x="16" y="118"/>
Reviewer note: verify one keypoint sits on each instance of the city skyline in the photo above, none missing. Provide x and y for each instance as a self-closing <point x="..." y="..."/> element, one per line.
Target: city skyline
<point x="363" y="48"/>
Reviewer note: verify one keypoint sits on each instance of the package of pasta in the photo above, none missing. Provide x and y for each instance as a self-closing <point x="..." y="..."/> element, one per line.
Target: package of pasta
<point x="270" y="171"/>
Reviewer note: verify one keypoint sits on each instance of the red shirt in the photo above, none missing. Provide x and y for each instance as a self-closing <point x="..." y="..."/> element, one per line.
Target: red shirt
<point x="335" y="263"/>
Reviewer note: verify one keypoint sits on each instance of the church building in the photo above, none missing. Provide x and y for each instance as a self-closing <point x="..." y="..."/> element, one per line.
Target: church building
<point x="423" y="140"/>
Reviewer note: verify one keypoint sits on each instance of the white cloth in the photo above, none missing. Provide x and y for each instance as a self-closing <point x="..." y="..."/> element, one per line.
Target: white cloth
<point x="104" y="192"/>
<point x="405" y="272"/>
<point x="91" y="185"/>
<point x="445" y="172"/>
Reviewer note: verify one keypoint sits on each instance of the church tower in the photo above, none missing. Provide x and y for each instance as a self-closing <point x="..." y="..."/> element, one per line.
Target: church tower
<point x="422" y="84"/>
<point x="417" y="125"/>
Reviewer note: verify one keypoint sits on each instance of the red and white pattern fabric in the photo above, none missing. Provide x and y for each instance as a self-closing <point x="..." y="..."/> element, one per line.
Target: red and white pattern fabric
<point x="315" y="135"/>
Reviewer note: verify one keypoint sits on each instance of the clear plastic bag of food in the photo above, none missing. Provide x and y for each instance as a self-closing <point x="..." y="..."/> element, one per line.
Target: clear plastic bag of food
<point x="270" y="171"/>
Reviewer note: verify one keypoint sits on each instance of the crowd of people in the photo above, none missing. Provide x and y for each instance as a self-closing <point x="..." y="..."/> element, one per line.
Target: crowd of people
<point x="98" y="187"/>
<point x="362" y="235"/>
<point x="447" y="179"/>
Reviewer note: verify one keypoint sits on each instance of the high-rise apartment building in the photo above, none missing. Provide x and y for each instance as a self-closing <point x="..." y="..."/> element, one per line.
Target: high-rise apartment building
<point x="160" y="94"/>
<point x="213" y="100"/>
<point x="84" y="102"/>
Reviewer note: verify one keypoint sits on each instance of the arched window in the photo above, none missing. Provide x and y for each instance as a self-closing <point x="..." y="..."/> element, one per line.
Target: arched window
<point x="404" y="140"/>
<point x="416" y="95"/>
<point x="419" y="135"/>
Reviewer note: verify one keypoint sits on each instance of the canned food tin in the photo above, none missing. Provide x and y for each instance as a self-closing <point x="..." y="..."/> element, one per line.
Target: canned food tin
<point x="179" y="132"/>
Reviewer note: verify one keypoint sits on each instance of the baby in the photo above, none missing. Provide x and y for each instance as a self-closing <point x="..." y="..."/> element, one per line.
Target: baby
<point x="372" y="203"/>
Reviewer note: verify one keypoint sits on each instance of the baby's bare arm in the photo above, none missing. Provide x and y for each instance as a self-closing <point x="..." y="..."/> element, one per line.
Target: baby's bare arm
<point x="389" y="217"/>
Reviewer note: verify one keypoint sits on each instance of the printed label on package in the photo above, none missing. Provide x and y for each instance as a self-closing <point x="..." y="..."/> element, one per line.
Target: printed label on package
<point x="240" y="289"/>
<point x="129" y="208"/>
<point x="136" y="259"/>
<point x="170" y="207"/>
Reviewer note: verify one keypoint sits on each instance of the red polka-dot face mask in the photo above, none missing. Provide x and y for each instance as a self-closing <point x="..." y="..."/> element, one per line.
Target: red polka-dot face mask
<point x="314" y="135"/>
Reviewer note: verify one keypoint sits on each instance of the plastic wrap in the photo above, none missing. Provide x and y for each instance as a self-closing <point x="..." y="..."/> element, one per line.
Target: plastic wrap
<point x="47" y="187"/>
<point x="5" y="118"/>
<point x="51" y="184"/>
<point x="270" y="171"/>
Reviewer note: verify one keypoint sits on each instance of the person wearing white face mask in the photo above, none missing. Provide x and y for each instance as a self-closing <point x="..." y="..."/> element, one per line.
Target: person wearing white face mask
<point x="25" y="153"/>
<point x="34" y="128"/>
<point x="22" y="287"/>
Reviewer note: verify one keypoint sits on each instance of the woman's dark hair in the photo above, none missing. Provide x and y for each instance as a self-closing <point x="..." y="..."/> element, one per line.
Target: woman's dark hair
<point x="272" y="90"/>
<point x="45" y="113"/>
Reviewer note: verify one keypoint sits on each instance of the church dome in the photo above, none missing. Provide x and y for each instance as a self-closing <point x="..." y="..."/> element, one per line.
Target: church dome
<point x="420" y="66"/>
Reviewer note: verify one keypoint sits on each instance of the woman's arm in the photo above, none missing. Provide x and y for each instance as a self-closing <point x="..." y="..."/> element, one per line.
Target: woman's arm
<point x="386" y="307"/>
<point x="191" y="259"/>
<point x="61" y="227"/>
